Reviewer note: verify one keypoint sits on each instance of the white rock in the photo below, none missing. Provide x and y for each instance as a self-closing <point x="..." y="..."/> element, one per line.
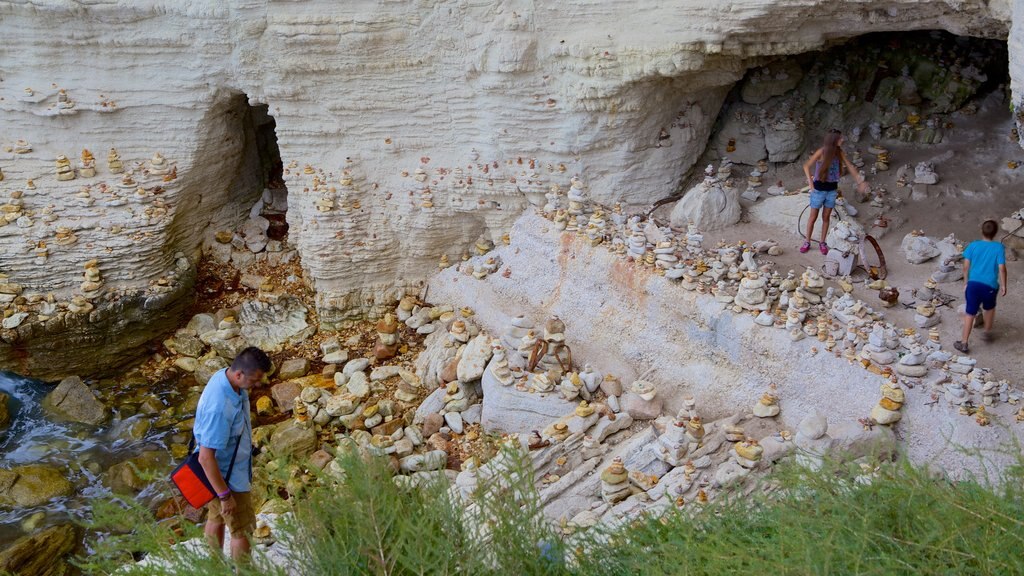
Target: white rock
<point x="358" y="385"/>
<point x="356" y="365"/>
<point x="14" y="320"/>
<point x="454" y="421"/>
<point x="474" y="359"/>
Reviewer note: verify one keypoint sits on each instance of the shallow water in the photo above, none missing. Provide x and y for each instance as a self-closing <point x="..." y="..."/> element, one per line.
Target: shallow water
<point x="80" y="451"/>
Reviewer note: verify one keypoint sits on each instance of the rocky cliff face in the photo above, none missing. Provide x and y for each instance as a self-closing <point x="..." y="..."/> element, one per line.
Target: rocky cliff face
<point x="407" y="131"/>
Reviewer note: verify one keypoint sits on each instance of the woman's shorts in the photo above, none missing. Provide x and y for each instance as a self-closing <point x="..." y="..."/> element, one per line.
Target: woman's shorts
<point x="820" y="198"/>
<point x="979" y="295"/>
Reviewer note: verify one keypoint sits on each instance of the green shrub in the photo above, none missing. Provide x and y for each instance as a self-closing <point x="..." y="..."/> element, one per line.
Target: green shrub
<point x="903" y="521"/>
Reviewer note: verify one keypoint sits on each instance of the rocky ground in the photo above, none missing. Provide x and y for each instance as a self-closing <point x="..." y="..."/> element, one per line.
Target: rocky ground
<point x="638" y="361"/>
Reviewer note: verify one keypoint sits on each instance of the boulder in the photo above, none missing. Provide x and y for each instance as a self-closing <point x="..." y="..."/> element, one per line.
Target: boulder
<point x="42" y="553"/>
<point x="294" y="368"/>
<point x="202" y="323"/>
<point x="73" y="401"/>
<point x="358" y="385"/>
<point x="208" y="366"/>
<point x="272" y="325"/>
<point x="710" y="205"/>
<point x="640" y="409"/>
<point x="32" y="485"/>
<point x="284" y="394"/>
<point x="432" y="423"/>
<point x="432" y="404"/>
<point x="474" y="359"/>
<point x="186" y="345"/>
<point x="512" y="411"/>
<point x="919" y="249"/>
<point x="784" y="141"/>
<point x="293" y="438"/>
<point x="127" y="477"/>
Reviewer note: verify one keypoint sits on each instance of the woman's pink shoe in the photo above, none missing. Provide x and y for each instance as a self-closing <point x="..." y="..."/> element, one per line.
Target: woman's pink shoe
<point x="823" y="248"/>
<point x="805" y="247"/>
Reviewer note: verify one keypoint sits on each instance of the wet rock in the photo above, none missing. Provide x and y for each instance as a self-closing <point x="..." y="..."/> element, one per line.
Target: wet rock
<point x="73" y="401"/>
<point x="128" y="477"/>
<point x="151" y="405"/>
<point x="5" y="411"/>
<point x="294" y="368"/>
<point x="208" y="366"/>
<point x="32" y="485"/>
<point x="293" y="438"/>
<point x="187" y="364"/>
<point x="228" y="349"/>
<point x="42" y="553"/>
<point x="186" y="345"/>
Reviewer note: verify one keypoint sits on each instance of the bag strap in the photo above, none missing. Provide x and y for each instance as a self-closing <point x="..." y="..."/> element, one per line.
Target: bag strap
<point x="245" y="427"/>
<point x="231" y="466"/>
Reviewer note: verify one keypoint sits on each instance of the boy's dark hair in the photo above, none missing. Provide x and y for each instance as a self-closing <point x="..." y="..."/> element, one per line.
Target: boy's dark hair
<point x="250" y="360"/>
<point x="989" y="229"/>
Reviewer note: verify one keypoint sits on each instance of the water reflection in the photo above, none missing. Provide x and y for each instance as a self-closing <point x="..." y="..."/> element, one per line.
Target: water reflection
<point x="82" y="453"/>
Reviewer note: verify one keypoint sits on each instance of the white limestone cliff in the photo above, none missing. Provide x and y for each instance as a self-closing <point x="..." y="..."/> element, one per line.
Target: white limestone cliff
<point x="490" y="100"/>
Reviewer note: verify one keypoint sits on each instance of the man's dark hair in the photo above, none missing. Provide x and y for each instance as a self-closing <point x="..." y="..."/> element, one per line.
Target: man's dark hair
<point x="989" y="229"/>
<point x="250" y="360"/>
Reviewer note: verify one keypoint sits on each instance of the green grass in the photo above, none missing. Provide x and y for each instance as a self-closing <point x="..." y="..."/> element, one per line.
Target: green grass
<point x="905" y="521"/>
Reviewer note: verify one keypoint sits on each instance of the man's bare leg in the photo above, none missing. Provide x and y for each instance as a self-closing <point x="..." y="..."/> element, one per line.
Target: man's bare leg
<point x="215" y="536"/>
<point x="240" y="549"/>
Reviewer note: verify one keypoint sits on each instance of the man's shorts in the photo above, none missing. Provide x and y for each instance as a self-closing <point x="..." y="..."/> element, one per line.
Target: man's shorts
<point x="241" y="521"/>
<point x="821" y="198"/>
<point x="979" y="295"/>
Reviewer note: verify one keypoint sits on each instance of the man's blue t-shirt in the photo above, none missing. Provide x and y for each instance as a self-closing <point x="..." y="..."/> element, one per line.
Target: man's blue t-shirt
<point x="985" y="257"/>
<point x="222" y="416"/>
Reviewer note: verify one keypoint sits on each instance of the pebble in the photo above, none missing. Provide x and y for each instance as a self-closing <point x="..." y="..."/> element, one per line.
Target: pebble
<point x="14" y="320"/>
<point x="336" y="357"/>
<point x="358" y="385"/>
<point x="454" y="421"/>
<point x="356" y="365"/>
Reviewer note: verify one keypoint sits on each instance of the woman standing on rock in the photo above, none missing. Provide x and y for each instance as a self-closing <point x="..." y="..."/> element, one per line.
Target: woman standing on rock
<point x="828" y="162"/>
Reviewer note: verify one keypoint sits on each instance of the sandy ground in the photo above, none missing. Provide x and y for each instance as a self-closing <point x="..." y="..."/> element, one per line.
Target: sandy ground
<point x="974" y="184"/>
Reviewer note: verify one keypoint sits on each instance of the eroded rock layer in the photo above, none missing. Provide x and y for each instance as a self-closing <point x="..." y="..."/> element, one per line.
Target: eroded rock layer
<point x="407" y="131"/>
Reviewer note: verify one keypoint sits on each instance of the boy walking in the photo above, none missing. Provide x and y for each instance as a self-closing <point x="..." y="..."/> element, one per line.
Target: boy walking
<point x="985" y="272"/>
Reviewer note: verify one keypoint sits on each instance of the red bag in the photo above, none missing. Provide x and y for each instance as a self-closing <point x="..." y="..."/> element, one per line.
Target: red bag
<point x="190" y="478"/>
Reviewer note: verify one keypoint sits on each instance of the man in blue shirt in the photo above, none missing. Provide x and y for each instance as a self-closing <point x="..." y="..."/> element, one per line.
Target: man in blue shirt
<point x="985" y="272"/>
<point x="223" y="434"/>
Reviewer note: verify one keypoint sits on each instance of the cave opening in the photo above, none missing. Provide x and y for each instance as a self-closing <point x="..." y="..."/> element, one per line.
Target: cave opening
<point x="266" y="161"/>
<point x="908" y="87"/>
